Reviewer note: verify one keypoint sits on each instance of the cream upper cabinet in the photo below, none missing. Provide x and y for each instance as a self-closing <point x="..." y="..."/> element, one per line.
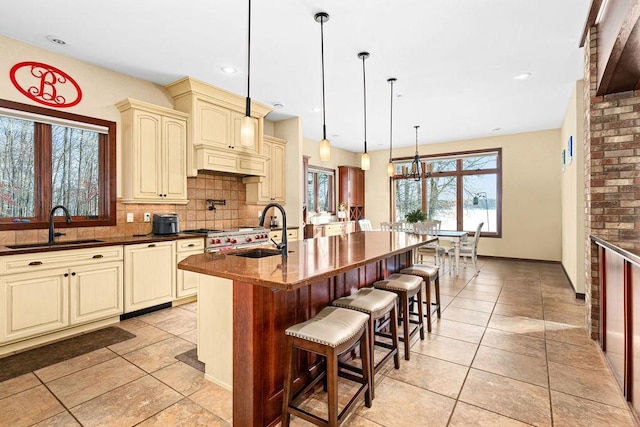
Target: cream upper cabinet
<point x="154" y="143"/>
<point x="149" y="274"/>
<point x="271" y="187"/>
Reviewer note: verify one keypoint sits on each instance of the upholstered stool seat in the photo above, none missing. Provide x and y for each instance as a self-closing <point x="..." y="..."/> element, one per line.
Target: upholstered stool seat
<point x="332" y="332"/>
<point x="430" y="274"/>
<point x="377" y="304"/>
<point x="408" y="288"/>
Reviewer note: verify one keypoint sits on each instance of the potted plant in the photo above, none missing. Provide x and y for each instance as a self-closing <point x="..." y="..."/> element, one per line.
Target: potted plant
<point x="416" y="215"/>
<point x="342" y="210"/>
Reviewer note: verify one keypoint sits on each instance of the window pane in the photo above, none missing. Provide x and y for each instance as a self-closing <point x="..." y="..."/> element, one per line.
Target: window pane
<point x="444" y="165"/>
<point x="480" y="162"/>
<point x="74" y="166"/>
<point x="408" y="197"/>
<point x="480" y="202"/>
<point x="311" y="193"/>
<point x="16" y="168"/>
<point x="323" y="192"/>
<point x="442" y="201"/>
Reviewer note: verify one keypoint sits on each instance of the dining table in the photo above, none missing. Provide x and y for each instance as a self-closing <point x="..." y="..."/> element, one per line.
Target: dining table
<point x="455" y="237"/>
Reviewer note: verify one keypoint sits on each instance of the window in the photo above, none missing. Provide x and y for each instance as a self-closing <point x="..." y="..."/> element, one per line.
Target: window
<point x="463" y="190"/>
<point x="320" y="189"/>
<point x="50" y="158"/>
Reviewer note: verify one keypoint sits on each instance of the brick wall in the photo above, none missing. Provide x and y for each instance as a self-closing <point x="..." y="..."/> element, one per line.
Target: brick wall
<point x="612" y="173"/>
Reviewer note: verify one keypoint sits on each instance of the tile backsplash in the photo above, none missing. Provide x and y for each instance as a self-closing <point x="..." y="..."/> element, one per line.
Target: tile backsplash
<point x="195" y="214"/>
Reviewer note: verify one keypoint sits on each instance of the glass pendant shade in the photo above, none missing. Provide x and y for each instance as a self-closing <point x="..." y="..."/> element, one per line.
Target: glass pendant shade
<point x="325" y="150"/>
<point x="365" y="162"/>
<point x="390" y="169"/>
<point x="247" y="132"/>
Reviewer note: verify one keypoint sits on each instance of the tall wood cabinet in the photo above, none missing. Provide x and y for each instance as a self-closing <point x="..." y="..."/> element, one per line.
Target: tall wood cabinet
<point x="271" y="187"/>
<point x="154" y="143"/>
<point x="351" y="190"/>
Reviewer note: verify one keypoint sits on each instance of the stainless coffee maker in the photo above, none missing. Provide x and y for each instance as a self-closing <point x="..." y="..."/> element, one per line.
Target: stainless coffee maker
<point x="274" y="221"/>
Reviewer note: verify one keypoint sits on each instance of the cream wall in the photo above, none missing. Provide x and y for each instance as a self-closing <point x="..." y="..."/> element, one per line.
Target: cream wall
<point x="572" y="191"/>
<point x="531" y="208"/>
<point x="101" y="88"/>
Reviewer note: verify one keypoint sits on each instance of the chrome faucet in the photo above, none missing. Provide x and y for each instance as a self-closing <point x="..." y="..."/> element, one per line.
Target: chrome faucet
<point x="283" y="245"/>
<point x="67" y="218"/>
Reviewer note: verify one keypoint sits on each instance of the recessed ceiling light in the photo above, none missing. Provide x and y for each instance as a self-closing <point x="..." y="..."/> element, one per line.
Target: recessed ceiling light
<point x="277" y="104"/>
<point x="56" y="40"/>
<point x="523" y="76"/>
<point x="228" y="69"/>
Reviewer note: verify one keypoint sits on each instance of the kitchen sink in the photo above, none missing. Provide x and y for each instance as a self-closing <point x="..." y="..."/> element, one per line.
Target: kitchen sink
<point x="54" y="244"/>
<point x="258" y="253"/>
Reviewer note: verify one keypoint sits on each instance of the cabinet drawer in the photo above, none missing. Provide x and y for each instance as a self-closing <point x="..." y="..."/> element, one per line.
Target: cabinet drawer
<point x="190" y="245"/>
<point x="45" y="260"/>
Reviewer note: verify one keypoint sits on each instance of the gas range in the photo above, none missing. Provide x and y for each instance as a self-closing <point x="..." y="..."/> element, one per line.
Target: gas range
<point x="220" y="240"/>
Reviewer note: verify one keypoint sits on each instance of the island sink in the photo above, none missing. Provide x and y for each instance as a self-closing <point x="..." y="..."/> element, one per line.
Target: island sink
<point x="258" y="253"/>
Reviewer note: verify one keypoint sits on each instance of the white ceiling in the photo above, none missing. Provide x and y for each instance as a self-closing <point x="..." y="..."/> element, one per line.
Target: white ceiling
<point x="455" y="60"/>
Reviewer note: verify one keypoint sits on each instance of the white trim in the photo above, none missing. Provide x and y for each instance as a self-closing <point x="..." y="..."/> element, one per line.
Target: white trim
<point x="24" y="115"/>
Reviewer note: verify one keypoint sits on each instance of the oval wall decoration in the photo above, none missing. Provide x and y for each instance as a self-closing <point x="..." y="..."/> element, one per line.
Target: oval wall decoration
<point x="45" y="84"/>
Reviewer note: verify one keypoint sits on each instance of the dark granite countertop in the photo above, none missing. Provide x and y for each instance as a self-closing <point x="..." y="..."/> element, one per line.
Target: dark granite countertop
<point x="309" y="260"/>
<point x="94" y="243"/>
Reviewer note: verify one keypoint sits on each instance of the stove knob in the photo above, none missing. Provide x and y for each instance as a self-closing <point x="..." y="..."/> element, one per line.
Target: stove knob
<point x="249" y="239"/>
<point x="228" y="239"/>
<point x="258" y="236"/>
<point x="218" y="241"/>
<point x="234" y="241"/>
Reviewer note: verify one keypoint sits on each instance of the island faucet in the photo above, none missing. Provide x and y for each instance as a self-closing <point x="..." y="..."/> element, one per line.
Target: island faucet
<point x="283" y="245"/>
<point x="67" y="218"/>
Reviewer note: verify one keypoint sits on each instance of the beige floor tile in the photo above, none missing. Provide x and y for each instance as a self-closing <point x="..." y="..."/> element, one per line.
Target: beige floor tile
<point x="76" y="364"/>
<point x="585" y="357"/>
<point x="574" y="411"/>
<point x="179" y="324"/>
<point x="132" y="324"/>
<point x="524" y="300"/>
<point x="181" y="377"/>
<point x="532" y="370"/>
<point x="18" y="384"/>
<point x="514" y="342"/>
<point x="64" y="419"/>
<point x="431" y="374"/>
<point x="514" y="399"/>
<point x="29" y="407"/>
<point x="565" y="317"/>
<point x="215" y="399"/>
<point x="480" y="296"/>
<point x="571" y="334"/>
<point x="407" y="405"/>
<point x="494" y="290"/>
<point x="160" y="354"/>
<point x="185" y="413"/>
<point x="517" y="324"/>
<point x="83" y="385"/>
<point x="451" y="289"/>
<point x="452" y="350"/>
<point x="466" y="316"/>
<point x="162" y="315"/>
<point x="358" y="421"/>
<point x="127" y="405"/>
<point x="473" y="304"/>
<point x="465" y="415"/>
<point x="594" y="385"/>
<point x="458" y="330"/>
<point x="531" y="311"/>
<point x="191" y="336"/>
<point x="145" y="336"/>
<point x="192" y="306"/>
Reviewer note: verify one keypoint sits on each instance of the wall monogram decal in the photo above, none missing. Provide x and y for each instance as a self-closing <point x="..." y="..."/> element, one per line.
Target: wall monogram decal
<point x="45" y="84"/>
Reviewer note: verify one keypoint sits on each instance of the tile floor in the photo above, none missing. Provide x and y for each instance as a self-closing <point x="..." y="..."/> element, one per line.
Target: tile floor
<point x="509" y="350"/>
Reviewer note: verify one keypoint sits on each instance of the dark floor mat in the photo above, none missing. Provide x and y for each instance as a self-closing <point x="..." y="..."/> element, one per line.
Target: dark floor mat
<point x="191" y="358"/>
<point x="41" y="357"/>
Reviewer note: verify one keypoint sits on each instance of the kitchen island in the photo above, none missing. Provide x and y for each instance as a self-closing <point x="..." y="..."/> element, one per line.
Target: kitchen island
<point x="245" y="305"/>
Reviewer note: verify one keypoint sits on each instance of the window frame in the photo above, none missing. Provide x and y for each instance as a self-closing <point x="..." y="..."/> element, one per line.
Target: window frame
<point x="332" y="189"/>
<point x="459" y="173"/>
<point x="43" y="190"/>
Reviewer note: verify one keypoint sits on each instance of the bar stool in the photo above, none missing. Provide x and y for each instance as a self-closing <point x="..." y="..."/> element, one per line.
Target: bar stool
<point x="377" y="304"/>
<point x="429" y="274"/>
<point x="331" y="333"/>
<point x="408" y="288"/>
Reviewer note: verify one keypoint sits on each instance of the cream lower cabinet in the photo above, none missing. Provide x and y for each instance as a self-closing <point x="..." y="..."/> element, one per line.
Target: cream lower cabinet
<point x="149" y="274"/>
<point x="187" y="281"/>
<point x="276" y="235"/>
<point x="46" y="292"/>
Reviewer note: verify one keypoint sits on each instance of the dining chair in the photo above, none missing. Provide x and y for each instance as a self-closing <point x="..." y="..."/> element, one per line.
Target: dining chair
<point x="469" y="250"/>
<point x="398" y="226"/>
<point x="430" y="228"/>
<point x="365" y="225"/>
<point x="385" y="226"/>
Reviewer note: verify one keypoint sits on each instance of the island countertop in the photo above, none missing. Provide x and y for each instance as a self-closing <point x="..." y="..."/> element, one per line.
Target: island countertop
<point x="308" y="261"/>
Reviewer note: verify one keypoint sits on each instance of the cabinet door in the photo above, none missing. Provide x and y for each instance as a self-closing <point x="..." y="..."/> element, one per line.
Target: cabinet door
<point x="149" y="274"/>
<point x="186" y="281"/>
<point x="174" y="170"/>
<point x="278" y="173"/>
<point x="264" y="187"/>
<point x="236" y="124"/>
<point x="213" y="125"/>
<point x="33" y="303"/>
<point x="147" y="164"/>
<point x="357" y="187"/>
<point x="95" y="291"/>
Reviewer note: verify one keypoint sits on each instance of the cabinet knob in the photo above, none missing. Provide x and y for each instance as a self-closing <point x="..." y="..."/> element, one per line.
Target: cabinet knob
<point x="66" y="274"/>
<point x="73" y="274"/>
<point x="152" y="245"/>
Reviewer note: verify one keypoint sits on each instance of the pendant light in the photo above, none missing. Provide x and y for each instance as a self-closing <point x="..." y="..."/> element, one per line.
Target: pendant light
<point x="325" y="145"/>
<point x="247" y="128"/>
<point x="415" y="164"/>
<point x="365" y="162"/>
<point x="390" y="167"/>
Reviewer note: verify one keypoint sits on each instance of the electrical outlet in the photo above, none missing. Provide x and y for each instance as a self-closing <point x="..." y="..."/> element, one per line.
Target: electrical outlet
<point x="147" y="217"/>
<point x="129" y="216"/>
